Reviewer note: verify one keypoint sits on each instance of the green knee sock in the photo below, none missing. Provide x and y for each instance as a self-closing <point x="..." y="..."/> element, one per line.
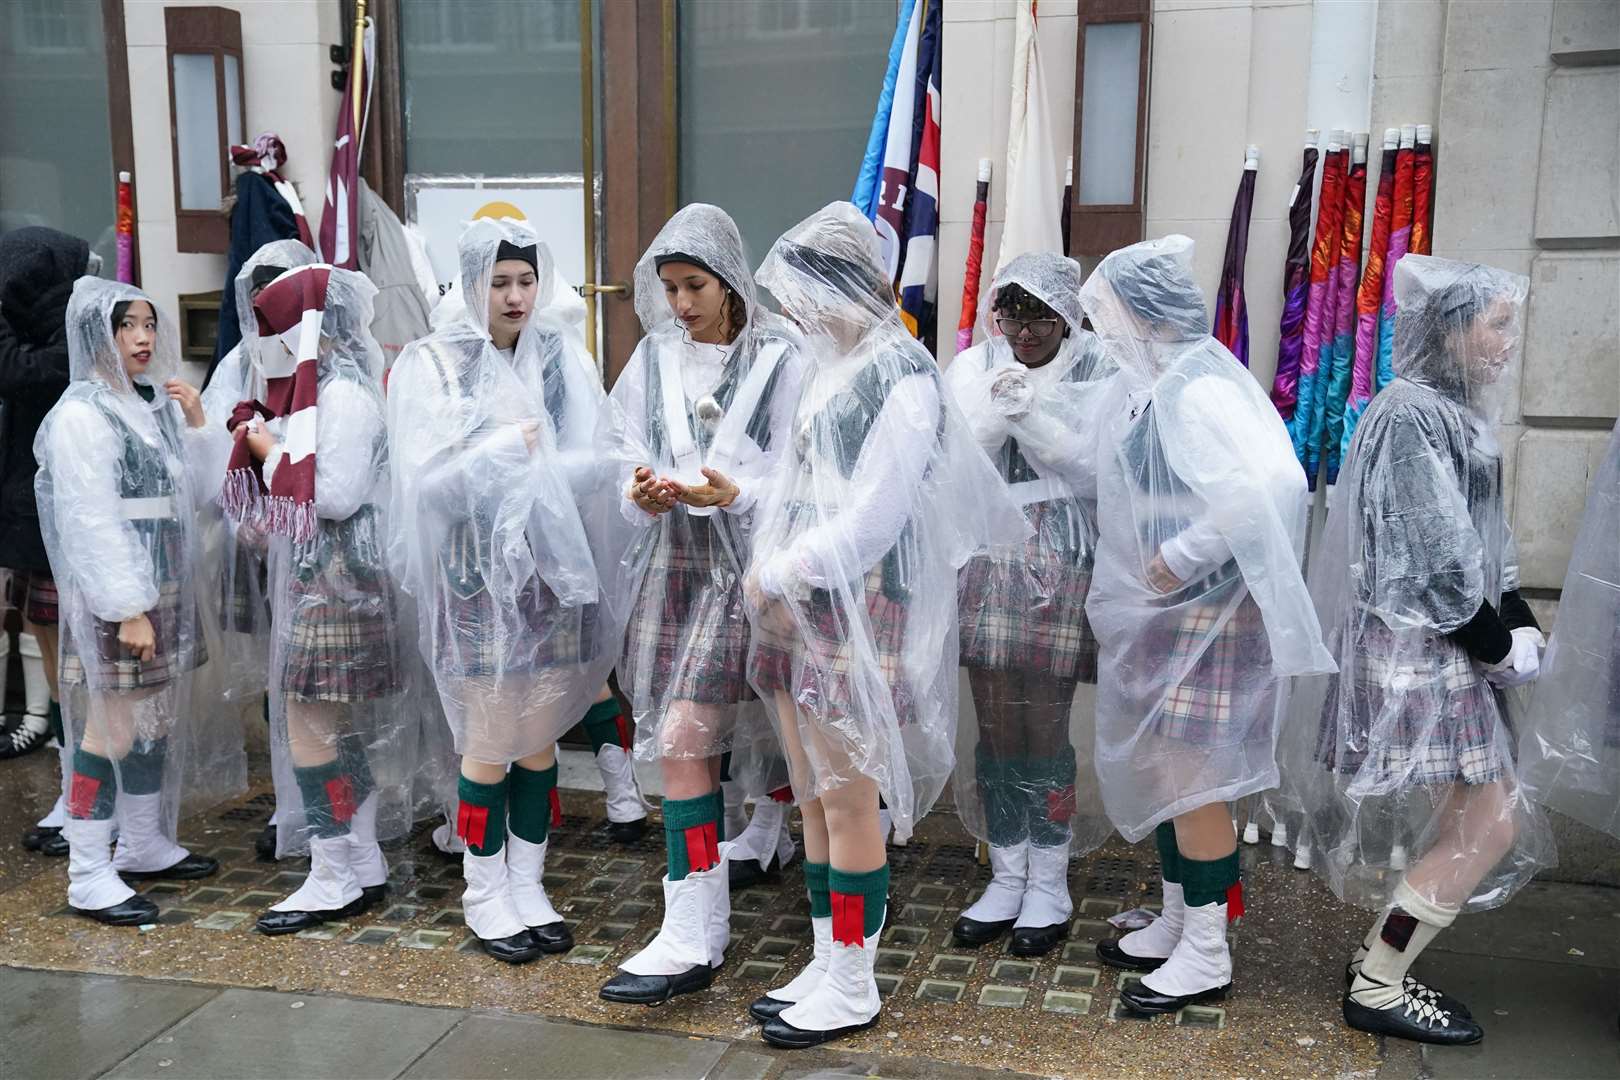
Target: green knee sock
<point x="528" y="809"/>
<point x="602" y="724"/>
<point x="1169" y="853"/>
<point x="328" y="798"/>
<point x="1208" y="882"/>
<point x="815" y="883"/>
<point x="141" y="770"/>
<point x="1050" y="783"/>
<point x="481" y="818"/>
<point x="93" y="789"/>
<point x="1005" y="816"/>
<point x="858" y="903"/>
<point x="691" y="834"/>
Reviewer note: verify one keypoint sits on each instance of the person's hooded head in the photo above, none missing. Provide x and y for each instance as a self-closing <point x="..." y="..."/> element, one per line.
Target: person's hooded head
<point x="38" y="267"/>
<point x="695" y="275"/>
<point x="828" y="274"/>
<point x="263" y="267"/>
<point x="1145" y="306"/>
<point x="1458" y="327"/>
<point x="1033" y="304"/>
<point x="117" y="336"/>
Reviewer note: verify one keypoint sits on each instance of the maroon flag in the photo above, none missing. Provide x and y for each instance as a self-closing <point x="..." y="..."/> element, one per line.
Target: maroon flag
<point x="340" y="217"/>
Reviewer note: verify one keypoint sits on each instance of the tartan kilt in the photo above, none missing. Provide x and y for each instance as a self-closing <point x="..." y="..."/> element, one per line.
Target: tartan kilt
<point x="820" y="661"/>
<point x="471" y="639"/>
<point x="1442" y="693"/>
<point x="180" y="648"/>
<point x="243" y="607"/>
<point x="1027" y="613"/>
<point x="40" y="603"/>
<point x="688" y="634"/>
<point x="1224" y="680"/>
<point x="338" y="639"/>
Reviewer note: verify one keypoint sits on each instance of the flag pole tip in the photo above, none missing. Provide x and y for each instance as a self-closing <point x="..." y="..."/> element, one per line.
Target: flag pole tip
<point x="1313" y="136"/>
<point x="1408" y="135"/>
<point x="123" y="177"/>
<point x="1425" y="133"/>
<point x="1392" y="138"/>
<point x="984" y="169"/>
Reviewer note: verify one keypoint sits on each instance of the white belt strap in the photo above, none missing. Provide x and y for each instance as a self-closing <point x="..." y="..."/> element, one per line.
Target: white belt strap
<point x="155" y="507"/>
<point x="1027" y="492"/>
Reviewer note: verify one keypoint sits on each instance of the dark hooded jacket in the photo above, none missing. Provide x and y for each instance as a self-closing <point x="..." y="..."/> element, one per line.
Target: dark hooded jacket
<point x="37" y="269"/>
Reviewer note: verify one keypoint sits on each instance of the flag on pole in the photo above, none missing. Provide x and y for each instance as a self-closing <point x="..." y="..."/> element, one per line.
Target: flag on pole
<point x="870" y="173"/>
<point x="1423" y="191"/>
<point x="1325" y="436"/>
<point x="1400" y="238"/>
<point x="894" y="180"/>
<point x="1065" y="223"/>
<point x="1296" y="285"/>
<point x="1319" y="306"/>
<point x="919" y="269"/>
<point x="975" y="260"/>
<point x="1370" y="296"/>
<point x="1231" y="310"/>
<point x="1032" y="170"/>
<point x="340" y="217"/>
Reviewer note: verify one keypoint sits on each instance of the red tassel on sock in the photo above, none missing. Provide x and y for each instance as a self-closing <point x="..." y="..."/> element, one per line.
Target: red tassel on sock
<point x="82" y="793"/>
<point x="849" y="918"/>
<point x="471" y="821"/>
<point x="702" y="847"/>
<point x="556" y="809"/>
<point x="622" y="722"/>
<point x="783" y="793"/>
<point x="340" y="792"/>
<point x="1234" y="902"/>
<point x="1060" y="804"/>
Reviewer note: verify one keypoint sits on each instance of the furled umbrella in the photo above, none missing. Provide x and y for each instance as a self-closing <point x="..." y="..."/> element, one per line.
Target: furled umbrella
<point x="1319" y="308"/>
<point x="1296" y="284"/>
<point x="1370" y="296"/>
<point x="1325" y="441"/>
<point x="1400" y="238"/>
<point x="1231" y="310"/>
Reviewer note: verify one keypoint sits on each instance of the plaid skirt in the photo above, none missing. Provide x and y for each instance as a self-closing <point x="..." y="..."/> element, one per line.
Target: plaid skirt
<point x="1229" y="670"/>
<point x="40" y="605"/>
<point x="338" y="639"/>
<point x="819" y="663"/>
<point x="243" y="607"/>
<point x="1027" y="614"/>
<point x="180" y="648"/>
<point x="1438" y="717"/>
<point x="687" y="639"/>
<point x="471" y="639"/>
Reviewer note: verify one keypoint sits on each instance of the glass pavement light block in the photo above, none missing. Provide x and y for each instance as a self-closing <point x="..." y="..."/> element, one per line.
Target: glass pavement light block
<point x="932" y="894"/>
<point x="952" y="965"/>
<point x="176" y="916"/>
<point x="581" y="905"/>
<point x="905" y="937"/>
<point x="612" y="931"/>
<point x="763" y="970"/>
<point x="229" y="855"/>
<point x="1069" y="977"/>
<point x="631" y="910"/>
<point x="210" y="894"/>
<point x="603" y="886"/>
<point x="756" y="900"/>
<point x="374" y="935"/>
<point x="1012" y="971"/>
<point x="285" y="879"/>
<point x="426" y="939"/>
<point x="400" y="913"/>
<point x="1127" y="979"/>
<point x="892" y="961"/>
<point x="1084" y="929"/>
<point x="1079" y="952"/>
<point x="744" y="920"/>
<point x="160" y="889"/>
<point x="257" y="899"/>
<point x="573" y="863"/>
<point x="1201" y="1016"/>
<point x="588" y="954"/>
<point x="223" y="920"/>
<point x="940" y="990"/>
<point x="774" y="948"/>
<point x="791" y="924"/>
<point x="921" y="913"/>
<point x="1118" y="1011"/>
<point x="325" y="932"/>
<point x="626" y="867"/>
<point x="450" y="917"/>
<point x="240" y="876"/>
<point x="1003" y="997"/>
<point x="431" y="893"/>
<point x="1100" y="906"/>
<point x="1068" y="1002"/>
<point x="887" y="984"/>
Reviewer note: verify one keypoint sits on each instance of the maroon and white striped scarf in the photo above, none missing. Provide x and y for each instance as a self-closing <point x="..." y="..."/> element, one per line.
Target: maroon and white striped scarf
<point x="289" y="308"/>
<point x="266" y="155"/>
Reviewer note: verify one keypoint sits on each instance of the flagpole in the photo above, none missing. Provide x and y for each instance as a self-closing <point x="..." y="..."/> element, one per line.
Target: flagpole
<point x="357" y="65"/>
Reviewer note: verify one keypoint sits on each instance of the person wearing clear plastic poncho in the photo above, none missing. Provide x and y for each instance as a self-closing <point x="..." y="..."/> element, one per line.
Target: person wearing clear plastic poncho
<point x="1569" y="753"/>
<point x="881" y="497"/>
<point x="496" y="490"/>
<point x="244" y="615"/>
<point x="122" y="461"/>
<point x="700" y="415"/>
<point x="305" y="472"/>
<point x="1404" y="760"/>
<point x="1197" y="600"/>
<point x="1025" y="641"/>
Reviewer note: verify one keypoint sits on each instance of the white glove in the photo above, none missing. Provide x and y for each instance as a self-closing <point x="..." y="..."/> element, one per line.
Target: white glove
<point x="1523" y="661"/>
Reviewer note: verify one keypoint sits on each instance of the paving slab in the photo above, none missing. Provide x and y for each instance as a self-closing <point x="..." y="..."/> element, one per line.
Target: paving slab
<point x="71" y="1026"/>
<point x="1546" y="921"/>
<point x="248" y="1034"/>
<point x="1549" y="1020"/>
<point x="485" y="1047"/>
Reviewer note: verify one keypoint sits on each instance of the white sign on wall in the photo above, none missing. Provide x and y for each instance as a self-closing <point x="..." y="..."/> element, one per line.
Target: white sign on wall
<point x="439" y="207"/>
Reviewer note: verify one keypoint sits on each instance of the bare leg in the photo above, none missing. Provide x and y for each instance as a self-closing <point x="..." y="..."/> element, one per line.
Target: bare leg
<point x="854" y="842"/>
<point x="1206" y="833"/>
<point x="1477" y="831"/>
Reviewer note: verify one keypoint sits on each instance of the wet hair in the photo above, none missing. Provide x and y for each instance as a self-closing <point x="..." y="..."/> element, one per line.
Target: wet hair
<point x="119" y="310"/>
<point x="1449" y="310"/>
<point x="1017" y="302"/>
<point x="856" y="281"/>
<point x="264" y="275"/>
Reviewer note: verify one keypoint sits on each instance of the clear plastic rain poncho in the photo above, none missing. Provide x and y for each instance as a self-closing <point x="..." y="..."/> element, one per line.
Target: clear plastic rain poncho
<point x="121" y="477"/>
<point x="343" y="746"/>
<point x="499" y="508"/>
<point x="679" y="406"/>
<point x="1570" y="751"/>
<point x="234" y="552"/>
<point x="1026" y="645"/>
<point x="1405" y="758"/>
<point x="881" y="497"/>
<point x="1197" y="599"/>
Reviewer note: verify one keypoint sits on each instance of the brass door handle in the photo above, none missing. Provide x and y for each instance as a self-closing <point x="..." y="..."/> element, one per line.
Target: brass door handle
<point x="590" y="288"/>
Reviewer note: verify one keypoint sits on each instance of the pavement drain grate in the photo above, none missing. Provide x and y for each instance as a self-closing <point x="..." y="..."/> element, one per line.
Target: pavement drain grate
<point x="887" y="984"/>
<point x="894" y="960"/>
<point x="1068" y="1002"/>
<point x="1013" y="971"/>
<point x="905" y="937"/>
<point x="374" y="935"/>
<point x="325" y="932"/>
<point x="932" y="894"/>
<point x="774" y="947"/>
<point x="402" y="913"/>
<point x="940" y="990"/>
<point x="612" y="931"/>
<point x="759" y="969"/>
<point x="631" y="909"/>
<point x="431" y="893"/>
<point x="258" y="898"/>
<point x="792" y="924"/>
<point x="1118" y="1011"/>
<point x="589" y="954"/>
<point x="1076" y="978"/>
<point x="426" y="939"/>
<point x="222" y="920"/>
<point x="1003" y="997"/>
<point x="208" y="894"/>
<point x="923" y="913"/>
<point x="1093" y="905"/>
<point x="1089" y="930"/>
<point x="952" y="964"/>
<point x="1201" y="1016"/>
<point x="176" y="916"/>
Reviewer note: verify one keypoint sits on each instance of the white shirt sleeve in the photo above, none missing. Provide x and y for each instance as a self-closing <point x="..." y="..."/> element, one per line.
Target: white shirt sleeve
<point x="105" y="558"/>
<point x="969" y="381"/>
<point x="893" y="459"/>
<point x="1201" y="547"/>
<point x="629" y="401"/>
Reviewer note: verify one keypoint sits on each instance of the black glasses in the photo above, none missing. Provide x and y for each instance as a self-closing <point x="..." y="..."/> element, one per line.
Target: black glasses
<point x="1041" y="328"/>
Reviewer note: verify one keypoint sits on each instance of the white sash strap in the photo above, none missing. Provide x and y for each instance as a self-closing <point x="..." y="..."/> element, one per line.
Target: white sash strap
<point x="734" y="425"/>
<point x="151" y="508"/>
<point x="1028" y="492"/>
<point x="677" y="428"/>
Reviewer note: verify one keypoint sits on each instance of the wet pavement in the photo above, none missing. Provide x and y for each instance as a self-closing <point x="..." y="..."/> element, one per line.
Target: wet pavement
<point x="403" y="990"/>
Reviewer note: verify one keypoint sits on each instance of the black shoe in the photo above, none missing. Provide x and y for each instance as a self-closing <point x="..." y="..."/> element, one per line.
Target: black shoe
<point x="744" y="873"/>
<point x="1138" y="998"/>
<point x="973" y="933"/>
<point x="1421" y="991"/>
<point x="276" y="923"/>
<point x="766" y="1008"/>
<point x="132" y="912"/>
<point x="1413" y="1019"/>
<point x="372" y="895"/>
<point x="264" y="845"/>
<point x="778" y="1032"/>
<point x="627" y="832"/>
<point x="46" y="840"/>
<point x="628" y="989"/>
<point x="17" y="738"/>
<point x="1036" y="940"/>
<point x="553" y="937"/>
<point x="518" y="949"/>
<point x="189" y="868"/>
<point x="1109" y="952"/>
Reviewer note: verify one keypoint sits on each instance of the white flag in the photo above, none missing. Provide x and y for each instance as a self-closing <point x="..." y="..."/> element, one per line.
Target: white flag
<point x="1034" y="177"/>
